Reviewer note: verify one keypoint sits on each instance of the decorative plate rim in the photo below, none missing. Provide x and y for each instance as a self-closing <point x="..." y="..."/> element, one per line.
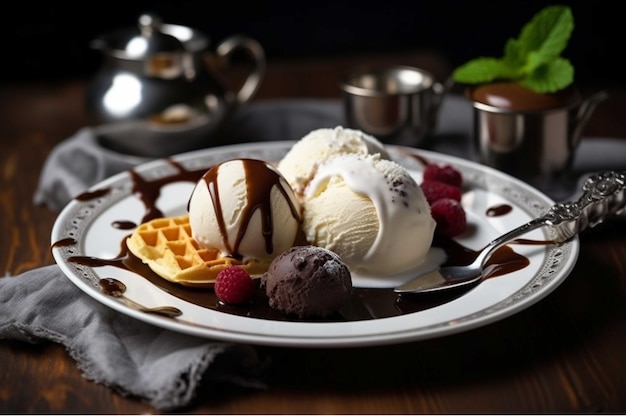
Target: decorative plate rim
<point x="77" y="217"/>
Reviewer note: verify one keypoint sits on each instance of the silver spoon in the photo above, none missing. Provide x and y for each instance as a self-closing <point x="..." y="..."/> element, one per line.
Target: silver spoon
<point x="603" y="194"/>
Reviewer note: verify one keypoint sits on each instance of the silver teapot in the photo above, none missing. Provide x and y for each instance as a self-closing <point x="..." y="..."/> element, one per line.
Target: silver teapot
<point x="156" y="93"/>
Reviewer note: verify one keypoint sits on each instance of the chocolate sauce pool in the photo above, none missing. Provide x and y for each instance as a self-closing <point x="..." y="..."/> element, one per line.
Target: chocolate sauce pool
<point x="364" y="304"/>
<point x="512" y="96"/>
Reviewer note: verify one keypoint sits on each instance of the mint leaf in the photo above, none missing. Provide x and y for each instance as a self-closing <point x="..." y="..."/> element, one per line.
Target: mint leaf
<point x="514" y="55"/>
<point x="551" y="77"/>
<point x="533" y="59"/>
<point x="547" y="34"/>
<point x="481" y="70"/>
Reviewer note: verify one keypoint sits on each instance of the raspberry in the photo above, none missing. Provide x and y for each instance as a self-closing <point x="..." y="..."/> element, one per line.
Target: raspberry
<point x="234" y="285"/>
<point x="450" y="217"/>
<point x="443" y="173"/>
<point x="435" y="190"/>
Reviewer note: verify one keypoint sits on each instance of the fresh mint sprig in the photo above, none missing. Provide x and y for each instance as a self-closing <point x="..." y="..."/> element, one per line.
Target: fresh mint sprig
<point x="533" y="59"/>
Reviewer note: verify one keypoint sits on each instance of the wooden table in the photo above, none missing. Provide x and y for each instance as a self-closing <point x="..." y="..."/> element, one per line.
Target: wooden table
<point x="563" y="355"/>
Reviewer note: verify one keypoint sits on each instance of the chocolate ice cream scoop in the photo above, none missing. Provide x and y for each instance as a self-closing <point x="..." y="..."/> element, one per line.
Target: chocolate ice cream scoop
<point x="307" y="281"/>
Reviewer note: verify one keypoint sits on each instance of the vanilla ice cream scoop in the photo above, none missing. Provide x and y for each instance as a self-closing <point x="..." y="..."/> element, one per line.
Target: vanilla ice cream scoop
<point x="300" y="164"/>
<point x="246" y="209"/>
<point x="371" y="212"/>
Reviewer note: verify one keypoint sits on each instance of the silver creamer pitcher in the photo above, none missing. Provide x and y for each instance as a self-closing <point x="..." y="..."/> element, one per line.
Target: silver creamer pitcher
<point x="156" y="93"/>
<point x="537" y="146"/>
<point x="397" y="104"/>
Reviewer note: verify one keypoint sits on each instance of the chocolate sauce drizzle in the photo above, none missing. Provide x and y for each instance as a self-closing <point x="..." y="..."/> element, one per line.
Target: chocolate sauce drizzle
<point x="364" y="304"/>
<point x="261" y="178"/>
<point x="150" y="190"/>
<point x="499" y="210"/>
<point x="116" y="288"/>
<point x="91" y="195"/>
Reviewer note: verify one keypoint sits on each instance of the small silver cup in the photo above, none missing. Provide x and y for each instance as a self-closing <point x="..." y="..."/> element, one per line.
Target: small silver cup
<point x="536" y="146"/>
<point x="396" y="104"/>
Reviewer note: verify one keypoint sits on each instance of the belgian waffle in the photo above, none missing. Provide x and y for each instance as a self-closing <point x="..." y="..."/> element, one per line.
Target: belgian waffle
<point x="167" y="247"/>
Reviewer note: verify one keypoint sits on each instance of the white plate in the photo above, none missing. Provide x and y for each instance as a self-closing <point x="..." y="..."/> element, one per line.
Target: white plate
<point x="86" y="228"/>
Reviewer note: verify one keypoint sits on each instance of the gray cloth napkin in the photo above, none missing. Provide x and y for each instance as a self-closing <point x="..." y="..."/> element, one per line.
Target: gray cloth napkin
<point x="75" y="165"/>
<point x="162" y="367"/>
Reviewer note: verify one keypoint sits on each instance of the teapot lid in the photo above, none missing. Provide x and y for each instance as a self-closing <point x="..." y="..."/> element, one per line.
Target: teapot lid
<point x="151" y="36"/>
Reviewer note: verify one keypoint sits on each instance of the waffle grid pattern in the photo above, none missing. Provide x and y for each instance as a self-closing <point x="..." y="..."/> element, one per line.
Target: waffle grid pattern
<point x="168" y="248"/>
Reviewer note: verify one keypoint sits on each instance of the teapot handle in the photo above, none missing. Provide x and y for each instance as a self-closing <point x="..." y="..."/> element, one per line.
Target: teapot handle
<point x="253" y="81"/>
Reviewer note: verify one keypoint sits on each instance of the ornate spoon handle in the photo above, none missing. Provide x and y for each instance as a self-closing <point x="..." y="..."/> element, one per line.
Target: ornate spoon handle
<point x="603" y="194"/>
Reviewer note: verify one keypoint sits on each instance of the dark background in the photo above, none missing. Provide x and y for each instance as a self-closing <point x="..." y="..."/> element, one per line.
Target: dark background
<point x="51" y="40"/>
